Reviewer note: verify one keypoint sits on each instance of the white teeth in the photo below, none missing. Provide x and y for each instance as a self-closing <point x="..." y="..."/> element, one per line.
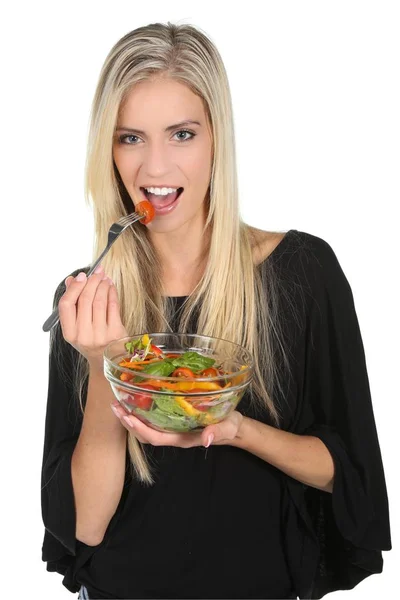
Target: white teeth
<point x="161" y="191"/>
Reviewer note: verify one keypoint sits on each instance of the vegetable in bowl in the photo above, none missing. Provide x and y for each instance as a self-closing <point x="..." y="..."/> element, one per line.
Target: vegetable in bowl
<point x="177" y="382"/>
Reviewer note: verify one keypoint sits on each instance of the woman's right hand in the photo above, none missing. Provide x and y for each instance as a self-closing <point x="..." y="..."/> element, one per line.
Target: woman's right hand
<point x="90" y="315"/>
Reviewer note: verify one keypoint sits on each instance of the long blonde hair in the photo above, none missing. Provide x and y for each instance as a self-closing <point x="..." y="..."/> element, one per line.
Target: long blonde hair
<point x="231" y="299"/>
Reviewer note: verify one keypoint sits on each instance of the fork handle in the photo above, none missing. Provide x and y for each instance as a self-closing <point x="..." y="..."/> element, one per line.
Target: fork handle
<point x="100" y="258"/>
<point x="51" y="321"/>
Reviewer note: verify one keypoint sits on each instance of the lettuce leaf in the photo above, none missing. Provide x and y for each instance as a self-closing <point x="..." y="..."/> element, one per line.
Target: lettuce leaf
<point x="194" y="361"/>
<point x="172" y="421"/>
<point x="169" y="405"/>
<point x="162" y="368"/>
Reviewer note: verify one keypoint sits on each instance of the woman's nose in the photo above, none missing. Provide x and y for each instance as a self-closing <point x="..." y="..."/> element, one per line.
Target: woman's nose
<point x="156" y="160"/>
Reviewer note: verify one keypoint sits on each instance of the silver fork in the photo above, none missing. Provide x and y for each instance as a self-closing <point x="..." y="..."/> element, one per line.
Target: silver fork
<point x="113" y="234"/>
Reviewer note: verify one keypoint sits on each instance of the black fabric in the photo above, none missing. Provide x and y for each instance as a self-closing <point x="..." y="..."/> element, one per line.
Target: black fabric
<point x="221" y="522"/>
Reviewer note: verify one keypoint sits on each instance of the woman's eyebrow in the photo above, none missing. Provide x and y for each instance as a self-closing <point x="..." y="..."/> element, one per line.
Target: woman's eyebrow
<point x="169" y="128"/>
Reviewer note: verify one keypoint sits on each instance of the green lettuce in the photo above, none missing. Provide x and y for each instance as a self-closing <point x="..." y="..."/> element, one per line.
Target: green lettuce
<point x="162" y="368"/>
<point x="194" y="361"/>
<point x="171" y="421"/>
<point x="169" y="405"/>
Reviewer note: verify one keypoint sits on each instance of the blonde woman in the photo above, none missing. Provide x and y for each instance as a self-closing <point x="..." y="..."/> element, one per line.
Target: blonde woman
<point x="285" y="498"/>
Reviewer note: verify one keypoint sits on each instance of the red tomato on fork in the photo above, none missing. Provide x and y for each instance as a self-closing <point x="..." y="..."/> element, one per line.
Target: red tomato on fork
<point x="146" y="209"/>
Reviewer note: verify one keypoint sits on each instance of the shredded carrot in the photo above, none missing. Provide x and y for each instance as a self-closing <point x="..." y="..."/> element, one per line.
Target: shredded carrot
<point x="141" y="362"/>
<point x="131" y="365"/>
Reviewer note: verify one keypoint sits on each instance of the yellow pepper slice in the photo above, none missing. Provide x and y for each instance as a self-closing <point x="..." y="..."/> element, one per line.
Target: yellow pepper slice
<point x="187" y="407"/>
<point x="186" y="386"/>
<point x="183" y="386"/>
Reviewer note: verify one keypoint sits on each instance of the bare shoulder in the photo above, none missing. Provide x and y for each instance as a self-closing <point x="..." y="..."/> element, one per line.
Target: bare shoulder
<point x="264" y="243"/>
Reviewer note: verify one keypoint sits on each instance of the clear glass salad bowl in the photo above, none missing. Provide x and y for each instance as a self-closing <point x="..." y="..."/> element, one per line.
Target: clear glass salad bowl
<point x="177" y="382"/>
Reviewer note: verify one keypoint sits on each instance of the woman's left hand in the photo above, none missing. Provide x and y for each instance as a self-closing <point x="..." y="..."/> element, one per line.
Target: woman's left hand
<point x="221" y="433"/>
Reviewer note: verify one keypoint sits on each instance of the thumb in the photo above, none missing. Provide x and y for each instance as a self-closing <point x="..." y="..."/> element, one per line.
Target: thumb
<point x="225" y="430"/>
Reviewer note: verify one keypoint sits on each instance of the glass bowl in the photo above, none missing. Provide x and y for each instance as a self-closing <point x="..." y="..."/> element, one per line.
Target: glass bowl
<point x="177" y="403"/>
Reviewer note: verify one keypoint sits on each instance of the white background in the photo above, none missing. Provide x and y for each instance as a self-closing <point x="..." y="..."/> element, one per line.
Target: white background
<point x="316" y="96"/>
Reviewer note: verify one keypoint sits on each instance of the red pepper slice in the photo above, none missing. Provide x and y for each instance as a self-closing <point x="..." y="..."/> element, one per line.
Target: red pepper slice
<point x="156" y="350"/>
<point x="198" y="403"/>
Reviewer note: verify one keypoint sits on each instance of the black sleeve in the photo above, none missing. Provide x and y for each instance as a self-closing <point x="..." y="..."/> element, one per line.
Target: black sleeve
<point x="62" y="428"/>
<point x="352" y="523"/>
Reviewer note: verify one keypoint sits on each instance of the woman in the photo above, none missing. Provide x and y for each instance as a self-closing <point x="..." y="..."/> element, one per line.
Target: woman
<point x="287" y="496"/>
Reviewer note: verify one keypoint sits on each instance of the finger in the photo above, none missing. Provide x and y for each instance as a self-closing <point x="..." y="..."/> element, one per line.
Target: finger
<point x="143" y="431"/>
<point x="67" y="308"/>
<point x="99" y="308"/>
<point x="147" y="435"/>
<point x="158" y="438"/>
<point x="227" y="429"/>
<point x="84" y="317"/>
<point x="119" y="412"/>
<point x="113" y="308"/>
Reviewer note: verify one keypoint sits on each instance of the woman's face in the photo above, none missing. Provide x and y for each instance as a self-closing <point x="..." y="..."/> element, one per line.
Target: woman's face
<point x="163" y="152"/>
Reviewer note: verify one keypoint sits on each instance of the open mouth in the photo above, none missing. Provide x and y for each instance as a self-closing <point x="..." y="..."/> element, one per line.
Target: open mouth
<point x="162" y="203"/>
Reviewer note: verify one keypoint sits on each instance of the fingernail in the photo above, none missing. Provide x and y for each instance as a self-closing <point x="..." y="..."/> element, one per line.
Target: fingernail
<point x="68" y="281"/>
<point x="99" y="269"/>
<point x="110" y="281"/>
<point x="209" y="440"/>
<point x="105" y="277"/>
<point x="115" y="411"/>
<point x="127" y="420"/>
<point x="81" y="277"/>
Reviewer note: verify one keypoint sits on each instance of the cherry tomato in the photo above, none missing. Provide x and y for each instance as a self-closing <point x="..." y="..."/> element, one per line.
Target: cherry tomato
<point x="210" y="372"/>
<point x="147" y="209"/>
<point x="143" y="400"/>
<point x="183" y="372"/>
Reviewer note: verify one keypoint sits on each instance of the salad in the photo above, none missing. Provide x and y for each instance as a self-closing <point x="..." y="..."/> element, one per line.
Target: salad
<point x="181" y="405"/>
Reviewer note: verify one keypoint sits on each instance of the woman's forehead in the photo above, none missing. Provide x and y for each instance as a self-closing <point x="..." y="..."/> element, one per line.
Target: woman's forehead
<point x="164" y="100"/>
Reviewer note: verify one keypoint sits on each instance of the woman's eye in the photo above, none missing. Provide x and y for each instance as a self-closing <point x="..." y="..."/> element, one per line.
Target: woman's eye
<point x="129" y="139"/>
<point x="182" y="135"/>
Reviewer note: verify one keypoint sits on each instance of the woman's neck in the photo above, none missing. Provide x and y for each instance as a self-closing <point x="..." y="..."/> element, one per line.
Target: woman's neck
<point x="183" y="256"/>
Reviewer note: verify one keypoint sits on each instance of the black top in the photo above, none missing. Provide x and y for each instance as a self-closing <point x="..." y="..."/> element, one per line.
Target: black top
<point x="221" y="522"/>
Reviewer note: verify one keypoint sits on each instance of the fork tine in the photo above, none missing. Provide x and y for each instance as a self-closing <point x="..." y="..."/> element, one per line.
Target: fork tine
<point x="127" y="219"/>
